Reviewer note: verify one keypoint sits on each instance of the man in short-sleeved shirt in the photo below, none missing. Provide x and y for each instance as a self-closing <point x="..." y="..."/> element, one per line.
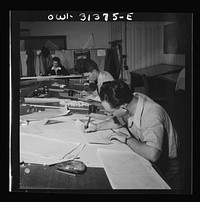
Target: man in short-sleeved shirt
<point x="102" y="76"/>
<point x="151" y="133"/>
<point x="91" y="71"/>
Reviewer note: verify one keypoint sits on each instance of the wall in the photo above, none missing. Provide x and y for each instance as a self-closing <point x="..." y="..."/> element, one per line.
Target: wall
<point x="171" y="59"/>
<point x="77" y="33"/>
<point x="144" y="39"/>
<point x="144" y="44"/>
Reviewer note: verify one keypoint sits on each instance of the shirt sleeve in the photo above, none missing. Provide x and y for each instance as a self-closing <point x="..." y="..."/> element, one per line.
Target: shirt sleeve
<point x="153" y="130"/>
<point x="105" y="76"/>
<point x="153" y="136"/>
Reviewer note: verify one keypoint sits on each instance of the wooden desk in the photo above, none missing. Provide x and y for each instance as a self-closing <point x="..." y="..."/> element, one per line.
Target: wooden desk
<point x="35" y="176"/>
<point x="27" y="87"/>
<point x="160" y="69"/>
<point x="41" y="78"/>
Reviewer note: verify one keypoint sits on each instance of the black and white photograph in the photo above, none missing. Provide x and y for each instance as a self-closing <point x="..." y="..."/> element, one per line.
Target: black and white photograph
<point x="100" y="102"/>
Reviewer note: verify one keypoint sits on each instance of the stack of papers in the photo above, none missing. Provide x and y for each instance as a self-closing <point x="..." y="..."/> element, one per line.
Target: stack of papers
<point x="45" y="150"/>
<point x="128" y="170"/>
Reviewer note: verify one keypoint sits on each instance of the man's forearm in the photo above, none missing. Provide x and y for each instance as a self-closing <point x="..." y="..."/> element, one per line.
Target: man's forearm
<point x="144" y="150"/>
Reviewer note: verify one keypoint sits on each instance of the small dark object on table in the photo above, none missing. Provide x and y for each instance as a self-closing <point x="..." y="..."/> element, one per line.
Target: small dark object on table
<point x="72" y="166"/>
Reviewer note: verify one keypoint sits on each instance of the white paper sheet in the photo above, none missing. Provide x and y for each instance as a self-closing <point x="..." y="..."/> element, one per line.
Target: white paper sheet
<point x="126" y="170"/>
<point x="31" y="129"/>
<point x="65" y="130"/>
<point x="51" y="149"/>
<point x="97" y="137"/>
<point x="101" y="52"/>
<point x="48" y="113"/>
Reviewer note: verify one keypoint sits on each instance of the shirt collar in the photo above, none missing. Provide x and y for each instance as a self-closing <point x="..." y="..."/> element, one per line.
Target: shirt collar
<point x="55" y="68"/>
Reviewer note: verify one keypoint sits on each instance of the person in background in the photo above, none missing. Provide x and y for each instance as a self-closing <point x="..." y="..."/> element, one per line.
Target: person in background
<point x="90" y="70"/>
<point x="150" y="130"/>
<point x="57" y="68"/>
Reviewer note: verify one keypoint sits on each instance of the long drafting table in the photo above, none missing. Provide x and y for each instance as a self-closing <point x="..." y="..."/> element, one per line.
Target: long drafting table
<point x="72" y="76"/>
<point x="111" y="165"/>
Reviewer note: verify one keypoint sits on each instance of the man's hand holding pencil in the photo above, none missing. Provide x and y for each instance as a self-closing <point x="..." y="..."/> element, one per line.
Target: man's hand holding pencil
<point x="89" y="127"/>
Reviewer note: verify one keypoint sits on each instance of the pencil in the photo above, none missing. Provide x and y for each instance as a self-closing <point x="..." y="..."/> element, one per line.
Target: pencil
<point x="72" y="174"/>
<point x="87" y="123"/>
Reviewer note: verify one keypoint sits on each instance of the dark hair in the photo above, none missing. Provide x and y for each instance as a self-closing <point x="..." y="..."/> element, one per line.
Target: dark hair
<point x="57" y="59"/>
<point x="116" y="93"/>
<point x="85" y="65"/>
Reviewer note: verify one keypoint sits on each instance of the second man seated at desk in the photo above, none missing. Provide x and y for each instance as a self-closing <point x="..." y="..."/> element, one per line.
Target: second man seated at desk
<point x="90" y="70"/>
